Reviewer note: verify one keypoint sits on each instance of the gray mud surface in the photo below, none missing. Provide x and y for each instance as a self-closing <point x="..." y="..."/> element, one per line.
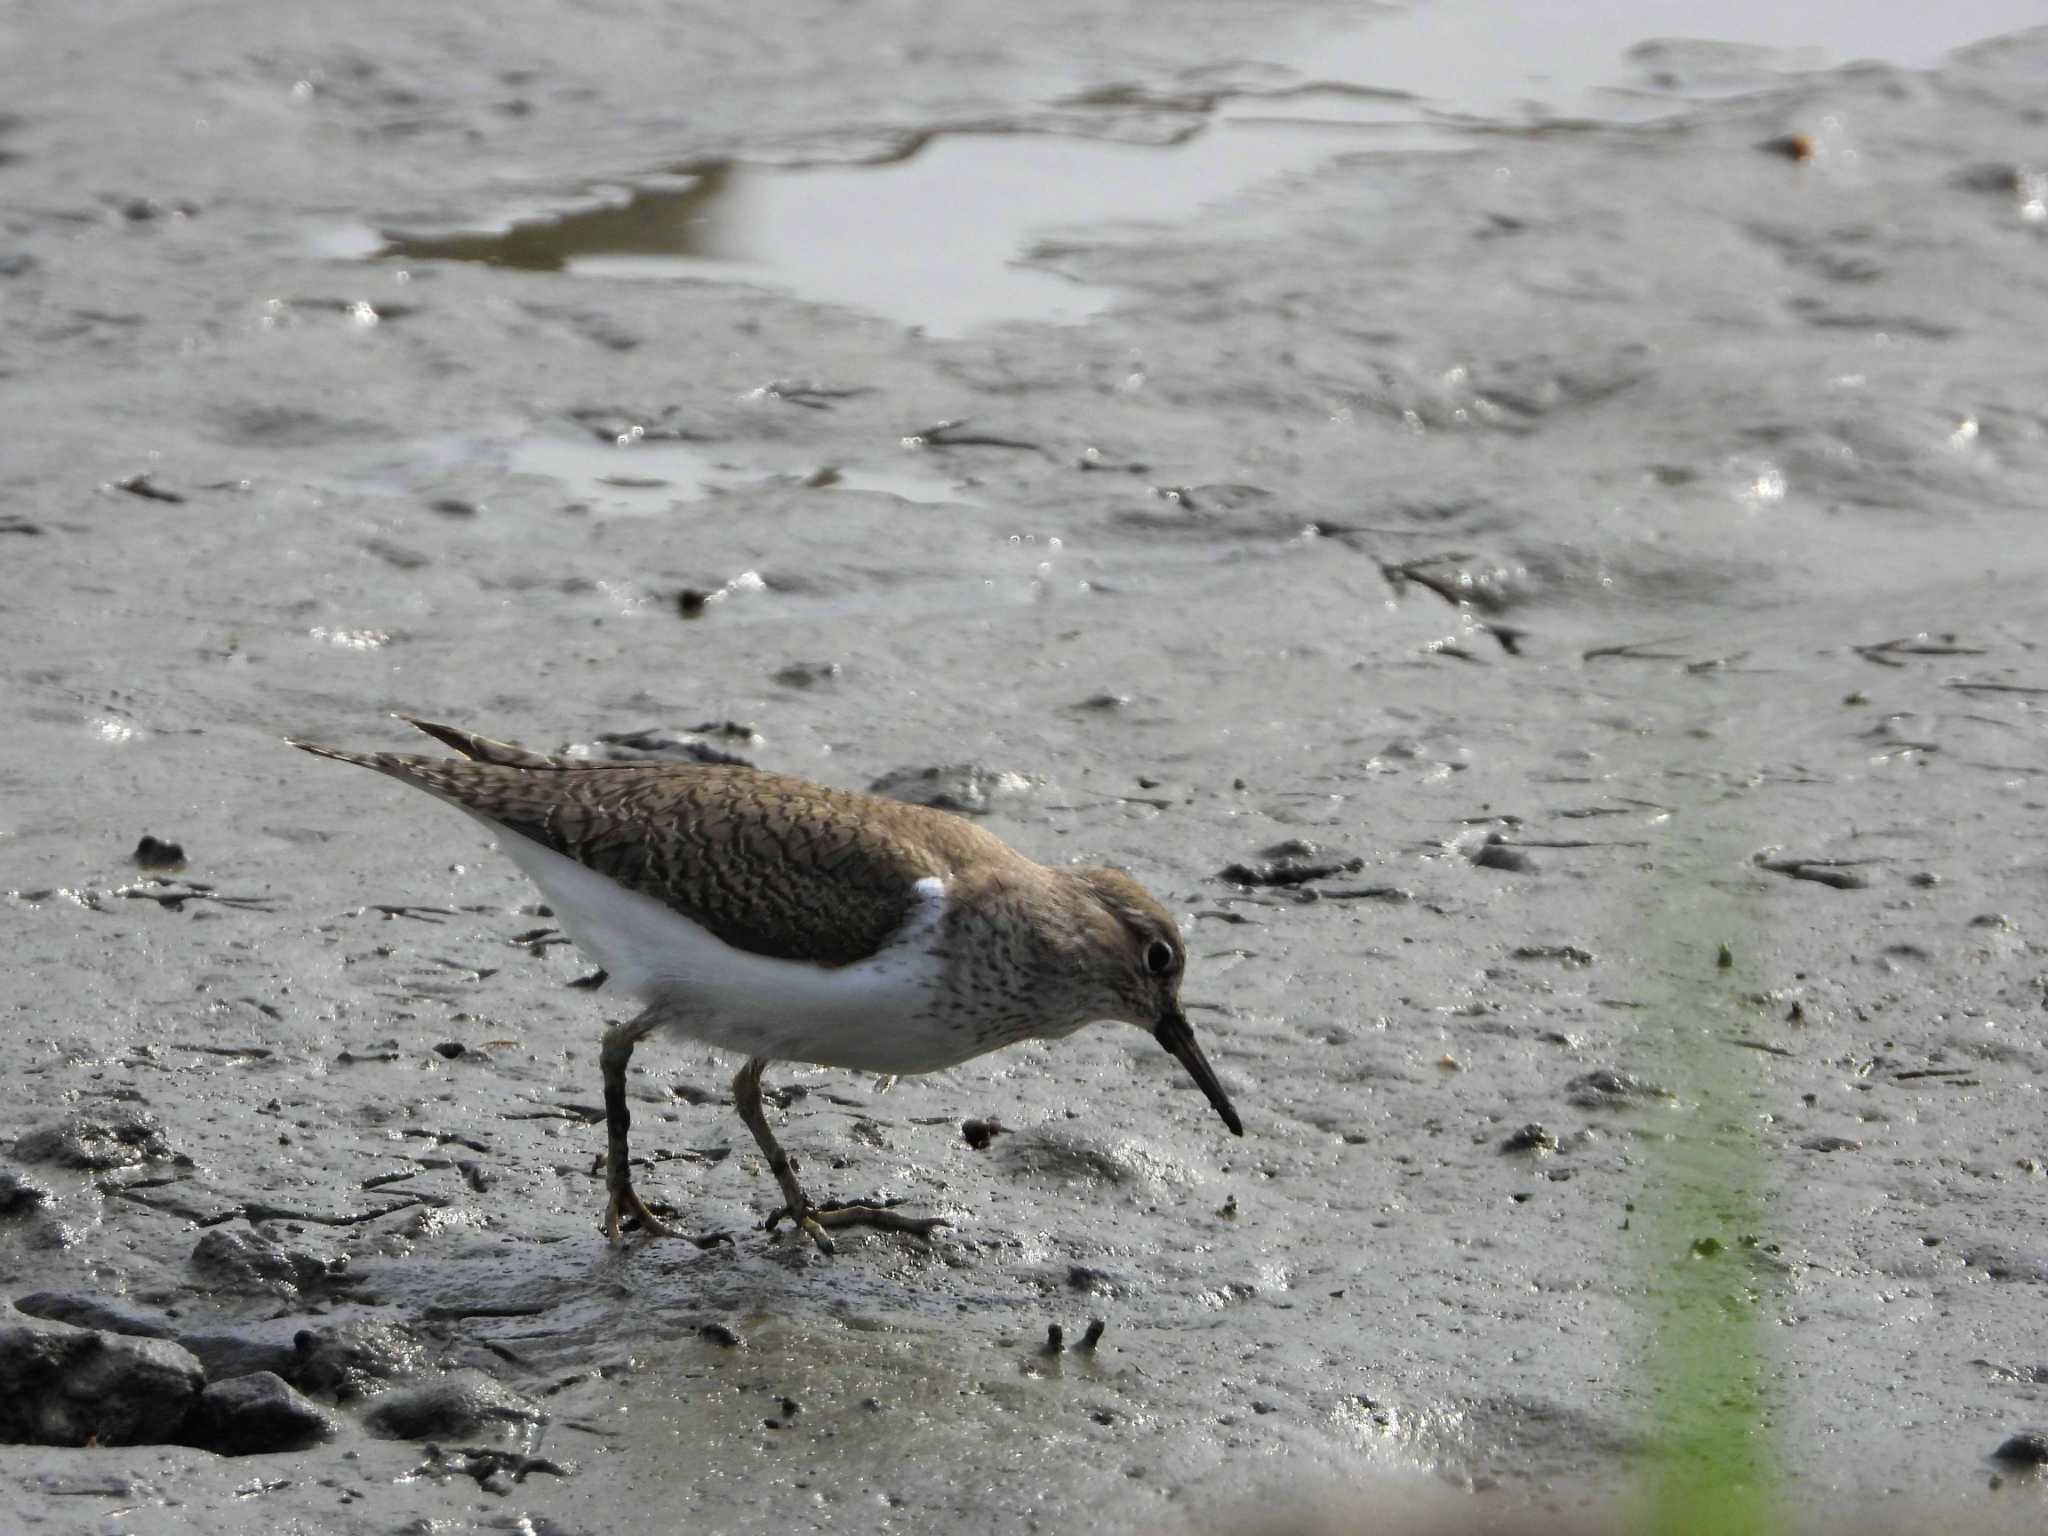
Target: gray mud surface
<point x="1610" y="547"/>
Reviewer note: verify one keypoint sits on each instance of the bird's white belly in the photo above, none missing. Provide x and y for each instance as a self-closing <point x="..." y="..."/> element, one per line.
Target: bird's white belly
<point x="876" y="1015"/>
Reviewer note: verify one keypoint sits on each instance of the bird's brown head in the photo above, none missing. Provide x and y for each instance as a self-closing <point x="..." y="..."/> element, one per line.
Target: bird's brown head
<point x="1143" y="966"/>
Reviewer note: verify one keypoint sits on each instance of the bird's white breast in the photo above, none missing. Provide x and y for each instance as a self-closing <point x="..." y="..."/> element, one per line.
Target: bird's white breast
<point x="875" y="1015"/>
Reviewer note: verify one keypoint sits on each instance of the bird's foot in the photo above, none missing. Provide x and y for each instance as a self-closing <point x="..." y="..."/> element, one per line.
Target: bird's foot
<point x="626" y="1202"/>
<point x="814" y="1219"/>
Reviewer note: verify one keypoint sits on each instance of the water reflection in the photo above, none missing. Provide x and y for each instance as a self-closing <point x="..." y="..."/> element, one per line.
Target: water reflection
<point x="941" y="237"/>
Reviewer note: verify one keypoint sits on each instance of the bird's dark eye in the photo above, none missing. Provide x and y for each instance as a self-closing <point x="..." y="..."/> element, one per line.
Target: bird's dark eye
<point x="1159" y="957"/>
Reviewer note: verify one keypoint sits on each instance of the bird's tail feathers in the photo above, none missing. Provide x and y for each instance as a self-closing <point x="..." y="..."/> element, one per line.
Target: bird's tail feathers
<point x="483" y="749"/>
<point x="360" y="759"/>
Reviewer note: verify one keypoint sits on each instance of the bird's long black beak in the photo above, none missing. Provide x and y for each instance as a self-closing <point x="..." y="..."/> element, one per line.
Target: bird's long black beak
<point x="1174" y="1032"/>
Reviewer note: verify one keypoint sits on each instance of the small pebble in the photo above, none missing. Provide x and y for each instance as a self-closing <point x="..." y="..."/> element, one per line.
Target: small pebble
<point x="156" y="853"/>
<point x="1832" y="1144"/>
<point x="2028" y="1448"/>
<point x="1498" y="855"/>
<point x="979" y="1133"/>
<point x="18" y="1196"/>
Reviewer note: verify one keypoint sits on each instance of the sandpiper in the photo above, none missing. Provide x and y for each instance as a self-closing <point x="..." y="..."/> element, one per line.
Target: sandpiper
<point x="786" y="921"/>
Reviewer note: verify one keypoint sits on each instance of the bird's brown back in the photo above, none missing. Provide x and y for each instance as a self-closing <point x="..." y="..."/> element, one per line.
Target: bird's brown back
<point x="770" y="864"/>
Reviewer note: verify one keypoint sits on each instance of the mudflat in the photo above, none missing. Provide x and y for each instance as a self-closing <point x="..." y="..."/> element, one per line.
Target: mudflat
<point x="1540" y="571"/>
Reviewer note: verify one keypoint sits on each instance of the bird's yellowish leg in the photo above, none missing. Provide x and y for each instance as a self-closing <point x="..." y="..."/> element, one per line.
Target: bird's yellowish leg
<point x="797" y="1207"/>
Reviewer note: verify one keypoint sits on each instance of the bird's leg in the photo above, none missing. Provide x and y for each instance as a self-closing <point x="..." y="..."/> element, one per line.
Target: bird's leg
<point x="746" y="1097"/>
<point x="622" y="1201"/>
<point x="619" y="1040"/>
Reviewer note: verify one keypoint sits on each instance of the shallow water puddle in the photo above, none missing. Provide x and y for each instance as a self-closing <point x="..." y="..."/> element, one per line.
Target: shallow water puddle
<point x="939" y="232"/>
<point x="931" y="239"/>
<point x="648" y="476"/>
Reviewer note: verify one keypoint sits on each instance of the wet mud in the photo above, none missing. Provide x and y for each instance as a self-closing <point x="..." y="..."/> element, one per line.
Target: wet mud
<point x="1535" y="561"/>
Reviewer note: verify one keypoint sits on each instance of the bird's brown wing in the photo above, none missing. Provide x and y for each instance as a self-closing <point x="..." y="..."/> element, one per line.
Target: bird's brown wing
<point x="772" y="865"/>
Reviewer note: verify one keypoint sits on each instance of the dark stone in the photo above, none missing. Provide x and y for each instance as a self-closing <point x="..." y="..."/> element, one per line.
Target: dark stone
<point x="456" y="1406"/>
<point x="88" y="1309"/>
<point x="1288" y="871"/>
<point x="719" y="1333"/>
<point x="256" y="1414"/>
<point x="18" y="1196"/>
<point x="1494" y="854"/>
<point x="155" y="853"/>
<point x="354" y="1358"/>
<point x="979" y="1133"/>
<point x="450" y="1050"/>
<point x="246" y="1260"/>
<point x="95" y="1144"/>
<point x="73" y="1386"/>
<point x="1530" y="1138"/>
<point x="2028" y="1448"/>
<point x="1605" y="1088"/>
